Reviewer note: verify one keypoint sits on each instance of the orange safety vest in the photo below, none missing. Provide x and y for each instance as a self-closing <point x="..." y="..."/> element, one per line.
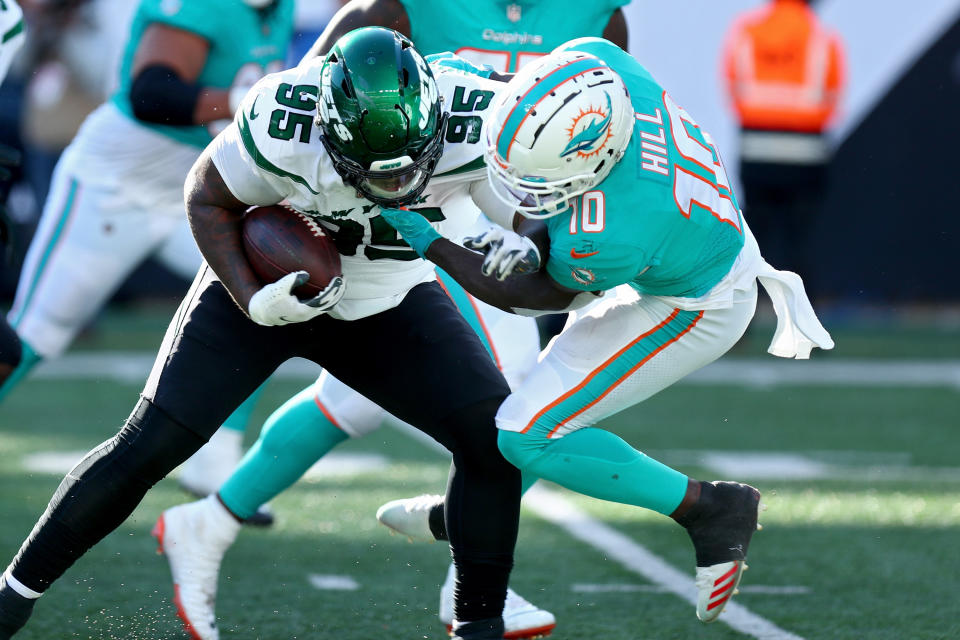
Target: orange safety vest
<point x="784" y="70"/>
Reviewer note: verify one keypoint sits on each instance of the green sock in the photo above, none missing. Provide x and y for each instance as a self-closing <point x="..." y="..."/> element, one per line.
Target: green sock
<point x="597" y="463"/>
<point x="293" y="438"/>
<point x="28" y="360"/>
<point x="240" y="417"/>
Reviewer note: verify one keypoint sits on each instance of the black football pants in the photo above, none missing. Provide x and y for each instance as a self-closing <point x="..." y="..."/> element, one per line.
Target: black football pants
<point x="420" y="361"/>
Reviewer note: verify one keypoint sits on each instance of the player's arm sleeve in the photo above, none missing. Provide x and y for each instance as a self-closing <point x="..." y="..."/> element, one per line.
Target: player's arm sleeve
<point x="239" y="170"/>
<point x="496" y="210"/>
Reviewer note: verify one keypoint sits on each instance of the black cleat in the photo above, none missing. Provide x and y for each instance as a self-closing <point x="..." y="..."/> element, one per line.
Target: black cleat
<point x="720" y="524"/>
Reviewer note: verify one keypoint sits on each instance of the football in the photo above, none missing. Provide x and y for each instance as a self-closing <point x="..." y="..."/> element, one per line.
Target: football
<point x="278" y="240"/>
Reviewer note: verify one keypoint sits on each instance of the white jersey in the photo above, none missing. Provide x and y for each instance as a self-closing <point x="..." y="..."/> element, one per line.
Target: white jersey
<point x="11" y="33"/>
<point x="263" y="168"/>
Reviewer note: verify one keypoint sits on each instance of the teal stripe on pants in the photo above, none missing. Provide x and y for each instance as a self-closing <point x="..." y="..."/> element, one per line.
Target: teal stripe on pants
<point x="51" y="245"/>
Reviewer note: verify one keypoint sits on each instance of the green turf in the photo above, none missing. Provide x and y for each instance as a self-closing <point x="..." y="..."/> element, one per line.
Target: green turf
<point x="875" y="551"/>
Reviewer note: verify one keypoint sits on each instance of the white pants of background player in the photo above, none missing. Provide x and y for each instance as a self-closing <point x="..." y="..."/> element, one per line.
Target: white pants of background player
<point x="116" y="198"/>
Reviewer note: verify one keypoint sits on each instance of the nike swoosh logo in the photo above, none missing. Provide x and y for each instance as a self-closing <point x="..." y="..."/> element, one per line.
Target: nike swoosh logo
<point x="253" y="113"/>
<point x="577" y="256"/>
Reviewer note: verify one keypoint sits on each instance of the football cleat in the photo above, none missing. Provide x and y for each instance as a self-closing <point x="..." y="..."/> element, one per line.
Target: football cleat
<point x="721" y="524"/>
<point x="521" y="619"/>
<point x="194" y="538"/>
<point x="410" y="516"/>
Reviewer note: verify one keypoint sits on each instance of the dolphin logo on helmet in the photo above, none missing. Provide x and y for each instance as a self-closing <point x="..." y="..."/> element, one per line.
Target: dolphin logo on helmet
<point x="586" y="140"/>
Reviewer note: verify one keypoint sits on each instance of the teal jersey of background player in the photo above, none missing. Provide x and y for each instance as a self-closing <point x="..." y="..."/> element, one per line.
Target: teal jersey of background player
<point x="245" y="44"/>
<point x="504" y="35"/>
<point x="665" y="220"/>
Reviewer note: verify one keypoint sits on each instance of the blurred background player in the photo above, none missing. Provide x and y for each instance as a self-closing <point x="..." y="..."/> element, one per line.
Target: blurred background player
<point x="117" y="193"/>
<point x="12" y="36"/>
<point x="628" y="195"/>
<point x="317" y="419"/>
<point x="785" y="75"/>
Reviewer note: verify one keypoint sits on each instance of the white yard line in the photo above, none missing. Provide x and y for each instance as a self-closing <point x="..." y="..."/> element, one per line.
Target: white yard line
<point x="133" y="366"/>
<point x="553" y="507"/>
<point x="332" y="582"/>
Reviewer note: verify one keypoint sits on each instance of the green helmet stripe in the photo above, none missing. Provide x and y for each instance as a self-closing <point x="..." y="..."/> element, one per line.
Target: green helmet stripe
<point x="261" y="161"/>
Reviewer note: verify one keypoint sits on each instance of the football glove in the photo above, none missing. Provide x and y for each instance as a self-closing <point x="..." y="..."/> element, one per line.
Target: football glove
<point x="412" y="227"/>
<point x="275" y="305"/>
<point x="506" y="252"/>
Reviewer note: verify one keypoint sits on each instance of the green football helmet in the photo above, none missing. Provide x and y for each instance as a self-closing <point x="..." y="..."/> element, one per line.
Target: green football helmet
<point x="379" y="115"/>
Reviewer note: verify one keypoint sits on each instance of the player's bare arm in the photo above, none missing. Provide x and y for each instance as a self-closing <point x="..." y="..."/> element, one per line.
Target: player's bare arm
<point x="536" y="291"/>
<point x="183" y="54"/>
<point x="215" y="217"/>
<point x="361" y="13"/>
<point x="616" y="30"/>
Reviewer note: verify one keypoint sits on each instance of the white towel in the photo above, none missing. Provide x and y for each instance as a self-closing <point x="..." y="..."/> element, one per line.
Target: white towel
<point x="798" y="329"/>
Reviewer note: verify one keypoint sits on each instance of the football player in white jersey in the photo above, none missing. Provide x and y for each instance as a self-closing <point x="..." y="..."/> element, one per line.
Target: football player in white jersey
<point x="366" y="120"/>
<point x="11" y="39"/>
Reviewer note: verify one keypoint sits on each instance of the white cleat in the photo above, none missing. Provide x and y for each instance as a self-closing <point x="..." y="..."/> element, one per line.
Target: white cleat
<point x="208" y="468"/>
<point x="410" y="516"/>
<point x="194" y="538"/>
<point x="716" y="584"/>
<point x="521" y="619"/>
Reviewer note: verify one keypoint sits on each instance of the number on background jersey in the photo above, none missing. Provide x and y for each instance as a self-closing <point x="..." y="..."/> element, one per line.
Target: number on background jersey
<point x="502" y="61"/>
<point x="689" y="188"/>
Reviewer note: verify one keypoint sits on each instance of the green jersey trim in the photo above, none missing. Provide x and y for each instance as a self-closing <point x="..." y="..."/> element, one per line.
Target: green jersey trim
<point x="261" y="161"/>
<point x="474" y="165"/>
<point x="14" y="31"/>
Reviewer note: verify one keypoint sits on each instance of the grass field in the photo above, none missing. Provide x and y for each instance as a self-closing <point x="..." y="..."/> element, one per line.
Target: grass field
<point x="858" y="464"/>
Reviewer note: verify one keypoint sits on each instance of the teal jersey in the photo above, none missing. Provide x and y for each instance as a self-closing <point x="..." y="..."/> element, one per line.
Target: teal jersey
<point x="665" y="220"/>
<point x="245" y="44"/>
<point x="504" y="35"/>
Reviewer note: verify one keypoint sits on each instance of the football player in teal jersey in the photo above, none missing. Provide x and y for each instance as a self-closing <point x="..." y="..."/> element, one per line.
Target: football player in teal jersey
<point x="629" y="201"/>
<point x="116" y="197"/>
<point x="502" y="35"/>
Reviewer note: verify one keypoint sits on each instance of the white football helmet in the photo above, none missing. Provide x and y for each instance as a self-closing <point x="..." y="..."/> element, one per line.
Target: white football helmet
<point x="556" y="131"/>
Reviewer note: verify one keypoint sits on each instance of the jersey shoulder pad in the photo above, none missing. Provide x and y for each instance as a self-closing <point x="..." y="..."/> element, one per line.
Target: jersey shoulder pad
<point x="277" y="129"/>
<point x="466" y="99"/>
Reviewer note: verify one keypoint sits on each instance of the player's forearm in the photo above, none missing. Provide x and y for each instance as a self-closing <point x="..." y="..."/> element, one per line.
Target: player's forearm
<point x="529" y="291"/>
<point x="215" y="218"/>
<point x="360" y="13"/>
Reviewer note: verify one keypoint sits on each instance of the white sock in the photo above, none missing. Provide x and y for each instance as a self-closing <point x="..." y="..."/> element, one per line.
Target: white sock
<point x="223" y="522"/>
<point x="19" y="587"/>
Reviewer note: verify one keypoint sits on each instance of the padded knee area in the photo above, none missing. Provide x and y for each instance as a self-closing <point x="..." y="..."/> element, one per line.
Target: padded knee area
<point x="520" y="449"/>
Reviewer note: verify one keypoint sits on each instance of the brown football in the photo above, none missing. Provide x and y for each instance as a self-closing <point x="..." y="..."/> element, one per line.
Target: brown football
<point x="278" y="240"/>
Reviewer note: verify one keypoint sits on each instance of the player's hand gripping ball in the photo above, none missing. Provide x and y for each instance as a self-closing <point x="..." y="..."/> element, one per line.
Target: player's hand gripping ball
<point x="296" y="260"/>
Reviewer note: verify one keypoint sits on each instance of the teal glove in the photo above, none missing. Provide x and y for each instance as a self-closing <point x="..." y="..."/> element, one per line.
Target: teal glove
<point x="412" y="227"/>
<point x="455" y="62"/>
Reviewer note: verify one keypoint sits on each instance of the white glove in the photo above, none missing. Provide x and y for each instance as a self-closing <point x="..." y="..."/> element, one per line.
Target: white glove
<point x="275" y="305"/>
<point x="506" y="252"/>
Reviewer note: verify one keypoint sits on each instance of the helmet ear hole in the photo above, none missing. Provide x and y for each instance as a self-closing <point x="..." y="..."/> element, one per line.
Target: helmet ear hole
<point x="406" y="78"/>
